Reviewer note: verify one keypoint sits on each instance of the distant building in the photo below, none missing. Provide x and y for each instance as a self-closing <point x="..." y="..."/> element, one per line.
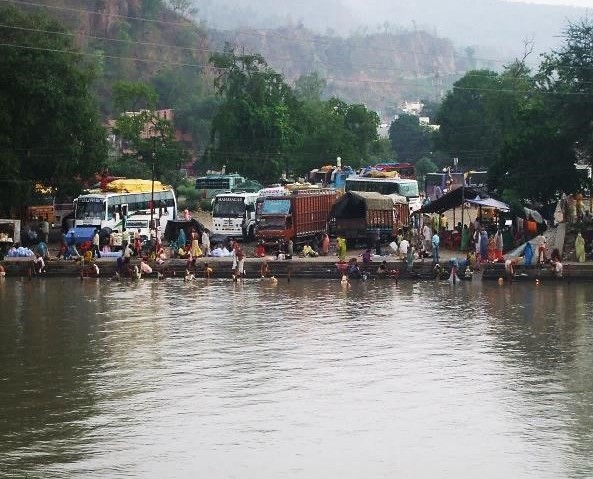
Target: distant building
<point x="412" y="107"/>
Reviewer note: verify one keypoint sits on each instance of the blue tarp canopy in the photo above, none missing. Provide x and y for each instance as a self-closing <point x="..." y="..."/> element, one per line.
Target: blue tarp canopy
<point x="81" y="233"/>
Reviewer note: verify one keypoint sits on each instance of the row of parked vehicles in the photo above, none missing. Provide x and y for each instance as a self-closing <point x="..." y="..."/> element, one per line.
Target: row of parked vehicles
<point x="377" y="202"/>
<point x="302" y="213"/>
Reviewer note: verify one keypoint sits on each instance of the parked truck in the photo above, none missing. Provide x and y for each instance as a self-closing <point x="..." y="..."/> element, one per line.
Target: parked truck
<point x="360" y="216"/>
<point x="300" y="215"/>
<point x="233" y="215"/>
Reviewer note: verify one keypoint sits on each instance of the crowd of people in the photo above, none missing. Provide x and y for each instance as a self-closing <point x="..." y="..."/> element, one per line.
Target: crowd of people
<point x="477" y="242"/>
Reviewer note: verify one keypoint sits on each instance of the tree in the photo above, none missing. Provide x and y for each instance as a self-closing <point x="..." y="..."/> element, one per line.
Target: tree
<point x="381" y="151"/>
<point x="254" y="129"/>
<point x="49" y="122"/>
<point x="466" y="128"/>
<point x="151" y="145"/>
<point x="310" y="87"/>
<point x="409" y="139"/>
<point x="566" y="75"/>
<point x="134" y="96"/>
<point x="536" y="157"/>
<point x="423" y="166"/>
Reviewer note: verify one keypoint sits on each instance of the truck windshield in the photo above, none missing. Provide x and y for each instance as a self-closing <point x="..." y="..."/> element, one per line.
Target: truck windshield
<point x="275" y="207"/>
<point x="228" y="207"/>
<point x="90" y="209"/>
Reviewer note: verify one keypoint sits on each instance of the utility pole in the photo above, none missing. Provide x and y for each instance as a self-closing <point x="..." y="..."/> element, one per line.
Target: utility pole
<point x="152" y="186"/>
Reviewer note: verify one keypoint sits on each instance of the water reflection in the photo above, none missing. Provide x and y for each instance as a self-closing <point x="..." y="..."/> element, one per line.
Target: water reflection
<point x="173" y="379"/>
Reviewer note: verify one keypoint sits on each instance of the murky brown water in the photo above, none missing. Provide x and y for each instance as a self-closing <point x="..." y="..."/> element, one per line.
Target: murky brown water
<point x="304" y="379"/>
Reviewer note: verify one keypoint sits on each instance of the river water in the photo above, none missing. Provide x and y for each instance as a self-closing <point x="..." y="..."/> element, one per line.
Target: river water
<point x="307" y="379"/>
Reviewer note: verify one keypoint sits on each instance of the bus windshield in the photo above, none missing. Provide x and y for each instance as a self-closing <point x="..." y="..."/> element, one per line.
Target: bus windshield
<point x="90" y="208"/>
<point x="407" y="188"/>
<point x="228" y="207"/>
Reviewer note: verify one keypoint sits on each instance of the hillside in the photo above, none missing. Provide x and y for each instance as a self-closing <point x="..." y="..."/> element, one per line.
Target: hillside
<point x="134" y="40"/>
<point x="486" y="25"/>
<point x="379" y="69"/>
<point x="143" y="40"/>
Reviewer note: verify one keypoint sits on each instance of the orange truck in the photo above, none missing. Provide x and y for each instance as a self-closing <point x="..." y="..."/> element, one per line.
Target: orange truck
<point x="299" y="215"/>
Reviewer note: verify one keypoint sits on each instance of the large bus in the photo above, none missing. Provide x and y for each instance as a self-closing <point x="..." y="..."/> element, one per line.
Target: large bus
<point x="214" y="183"/>
<point x="129" y="204"/>
<point x="233" y="215"/>
<point x="387" y="186"/>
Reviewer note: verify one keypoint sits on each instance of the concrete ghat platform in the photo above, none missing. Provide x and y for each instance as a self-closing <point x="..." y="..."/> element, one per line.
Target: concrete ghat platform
<point x="323" y="267"/>
<point x="579" y="272"/>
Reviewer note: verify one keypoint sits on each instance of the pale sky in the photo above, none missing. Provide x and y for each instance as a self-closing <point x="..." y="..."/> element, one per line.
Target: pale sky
<point x="576" y="3"/>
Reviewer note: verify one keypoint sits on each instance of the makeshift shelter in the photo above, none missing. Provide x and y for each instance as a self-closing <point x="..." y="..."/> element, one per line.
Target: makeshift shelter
<point x="459" y="196"/>
<point x="173" y="226"/>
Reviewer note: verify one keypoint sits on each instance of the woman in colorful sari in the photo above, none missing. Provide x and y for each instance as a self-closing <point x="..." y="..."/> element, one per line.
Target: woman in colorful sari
<point x="483" y="241"/>
<point x="498" y="246"/>
<point x="579" y="248"/>
<point x="196" y="251"/>
<point x="464" y="238"/>
<point x="341" y="242"/>
<point x="491" y="249"/>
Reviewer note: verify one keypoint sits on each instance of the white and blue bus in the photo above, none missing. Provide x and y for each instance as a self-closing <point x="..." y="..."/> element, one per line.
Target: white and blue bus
<point x="132" y="203"/>
<point x="387" y="186"/>
<point x="212" y="184"/>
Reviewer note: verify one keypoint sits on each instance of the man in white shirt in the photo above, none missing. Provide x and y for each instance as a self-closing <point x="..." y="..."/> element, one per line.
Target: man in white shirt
<point x="403" y="248"/>
<point x="427" y="237"/>
<point x="206" y="243"/>
<point x="96" y="252"/>
<point x="436" y="241"/>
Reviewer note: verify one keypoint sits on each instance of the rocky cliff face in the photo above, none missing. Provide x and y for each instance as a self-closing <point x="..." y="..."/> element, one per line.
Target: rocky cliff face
<point x="377" y="69"/>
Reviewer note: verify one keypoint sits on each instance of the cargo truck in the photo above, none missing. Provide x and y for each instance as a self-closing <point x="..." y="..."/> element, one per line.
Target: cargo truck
<point x="359" y="216"/>
<point x="300" y="216"/>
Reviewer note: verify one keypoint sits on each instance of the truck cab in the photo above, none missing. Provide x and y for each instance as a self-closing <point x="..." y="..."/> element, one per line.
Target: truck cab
<point x="233" y="215"/>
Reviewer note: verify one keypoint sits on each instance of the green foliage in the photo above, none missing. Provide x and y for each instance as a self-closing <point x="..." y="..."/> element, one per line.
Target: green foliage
<point x="409" y="139"/>
<point x="380" y="151"/>
<point x="261" y="129"/>
<point x="506" y="123"/>
<point x="309" y="88"/>
<point x="467" y="131"/>
<point x="133" y="96"/>
<point x="205" y="205"/>
<point x="49" y="123"/>
<point x="252" y="131"/>
<point x="187" y="195"/>
<point x="151" y="142"/>
<point x="568" y="72"/>
<point x="423" y="166"/>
